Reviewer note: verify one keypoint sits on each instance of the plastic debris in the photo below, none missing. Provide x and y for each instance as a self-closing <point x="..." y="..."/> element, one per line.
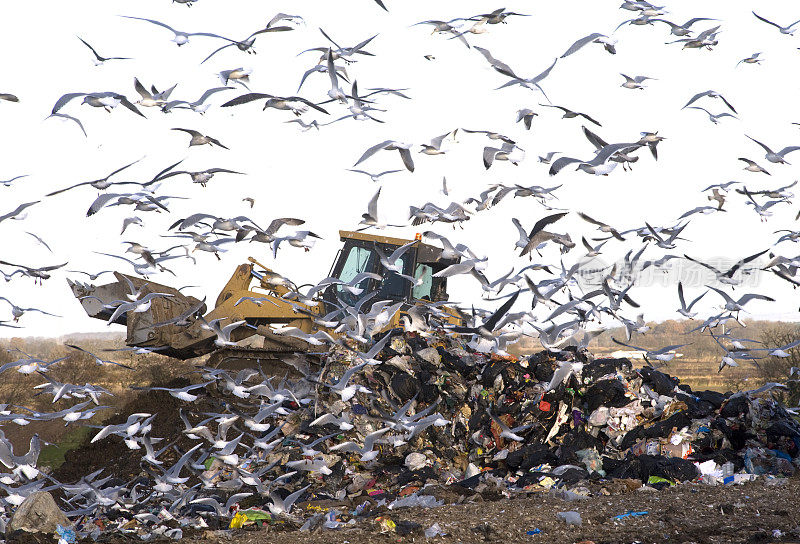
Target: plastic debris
<point x="630" y="514"/>
<point x="434" y="531"/>
<point x="571" y="518"/>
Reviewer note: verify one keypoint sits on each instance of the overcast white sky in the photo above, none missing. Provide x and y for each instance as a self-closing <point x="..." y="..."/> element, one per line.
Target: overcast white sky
<point x="303" y="174"/>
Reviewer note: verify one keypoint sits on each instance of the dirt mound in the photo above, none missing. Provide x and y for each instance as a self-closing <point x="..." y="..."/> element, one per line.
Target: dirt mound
<point x="113" y="455"/>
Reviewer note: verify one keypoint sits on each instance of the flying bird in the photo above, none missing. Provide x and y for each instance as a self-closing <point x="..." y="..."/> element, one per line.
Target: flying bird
<point x="200" y="139"/>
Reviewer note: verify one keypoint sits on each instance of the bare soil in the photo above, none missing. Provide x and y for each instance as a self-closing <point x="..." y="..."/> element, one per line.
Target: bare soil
<point x="698" y="513"/>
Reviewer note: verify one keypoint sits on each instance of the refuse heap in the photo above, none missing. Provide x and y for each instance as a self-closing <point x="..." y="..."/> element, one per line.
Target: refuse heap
<point x="569" y="419"/>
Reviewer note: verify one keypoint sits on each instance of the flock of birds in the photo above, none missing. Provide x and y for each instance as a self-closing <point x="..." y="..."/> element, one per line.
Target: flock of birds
<point x="210" y="233"/>
<point x="545" y="299"/>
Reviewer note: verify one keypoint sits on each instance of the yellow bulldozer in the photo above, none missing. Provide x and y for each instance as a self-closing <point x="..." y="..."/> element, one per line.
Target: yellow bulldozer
<point x="178" y="325"/>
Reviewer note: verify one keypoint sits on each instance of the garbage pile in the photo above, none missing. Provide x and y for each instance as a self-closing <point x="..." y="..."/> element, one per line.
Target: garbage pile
<point x="427" y="420"/>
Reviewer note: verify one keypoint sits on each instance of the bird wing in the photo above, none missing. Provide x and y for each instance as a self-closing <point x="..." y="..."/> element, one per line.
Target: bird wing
<point x="580" y="43"/>
<point x="680" y="296"/>
<point x="560" y="163"/>
<point x="703" y="264"/>
<point x="538" y="226"/>
<point x="159" y="23"/>
<point x="128" y="104"/>
<point x="543" y="75"/>
<point x="786" y="150"/>
<point x="735" y="267"/>
<point x="498" y="65"/>
<point x="98" y="57"/>
<point x="61" y="102"/>
<point x="193" y="133"/>
<point x="245" y="98"/>
<point x="408" y="160"/>
<point x="372" y="206"/>
<point x="760" y="18"/>
<point x="307" y="103"/>
<point x="372" y="150"/>
<point x="217" y="51"/>
<point x="140" y="88"/>
<point x="752" y="296"/>
<point x="696" y="97"/>
<point x="589" y="119"/>
<point x="491" y="323"/>
<point x="728" y="104"/>
<point x="689" y="307"/>
<point x="593" y="138"/>
<point x="523" y="235"/>
<point x="767" y="149"/>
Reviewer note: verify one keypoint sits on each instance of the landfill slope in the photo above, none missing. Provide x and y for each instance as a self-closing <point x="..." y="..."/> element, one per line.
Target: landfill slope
<point x="427" y="419"/>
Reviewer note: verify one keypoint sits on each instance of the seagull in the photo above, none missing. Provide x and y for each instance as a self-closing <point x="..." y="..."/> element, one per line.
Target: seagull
<point x="151" y="98"/>
<point x="597" y="165"/>
<point x="8" y="97"/>
<point x="202" y="177"/>
<point x="238" y="75"/>
<point x="335" y="92"/>
<point x="526" y="115"/>
<point x="596" y="37"/>
<point x="486" y="329"/>
<point x="137" y="306"/>
<point x="434" y="148"/>
<point x="17" y="311"/>
<point x="296" y="104"/>
<point x="282" y="507"/>
<point x="788" y="30"/>
<point x="713" y="117"/>
<point x="752" y="166"/>
<point x="181" y="393"/>
<point x="752" y="59"/>
<point x="507" y="152"/>
<point x="374" y="177"/>
<point x="684" y="29"/>
<point x="198" y="105"/>
<point x="634" y="82"/>
<point x="778" y="157"/>
<point x="367" y="453"/>
<point x="347" y="392"/>
<point x="223" y="333"/>
<point x="392" y="262"/>
<point x="8" y="182"/>
<point x="98" y="361"/>
<point x="98" y="60"/>
<point x="737" y="305"/>
<point x="390" y="145"/>
<point x="602" y="226"/>
<point x="727" y="276"/>
<point x="103" y="183"/>
<point x="684" y="310"/>
<point x="247" y="44"/>
<point x="665" y="354"/>
<point x="107" y="100"/>
<point x="538" y="227"/>
<point x="712" y="94"/>
<point x="200" y="139"/>
<point x="180" y="37"/>
<point x="548" y="157"/>
<point x="17" y="212"/>
<point x="569" y="114"/>
<point x="506" y="432"/>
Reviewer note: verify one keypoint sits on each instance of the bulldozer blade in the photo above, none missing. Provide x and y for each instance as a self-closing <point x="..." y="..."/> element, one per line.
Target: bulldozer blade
<point x="99" y="302"/>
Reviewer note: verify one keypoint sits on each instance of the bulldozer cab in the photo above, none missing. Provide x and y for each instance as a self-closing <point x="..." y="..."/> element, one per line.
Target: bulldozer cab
<point x="358" y="255"/>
